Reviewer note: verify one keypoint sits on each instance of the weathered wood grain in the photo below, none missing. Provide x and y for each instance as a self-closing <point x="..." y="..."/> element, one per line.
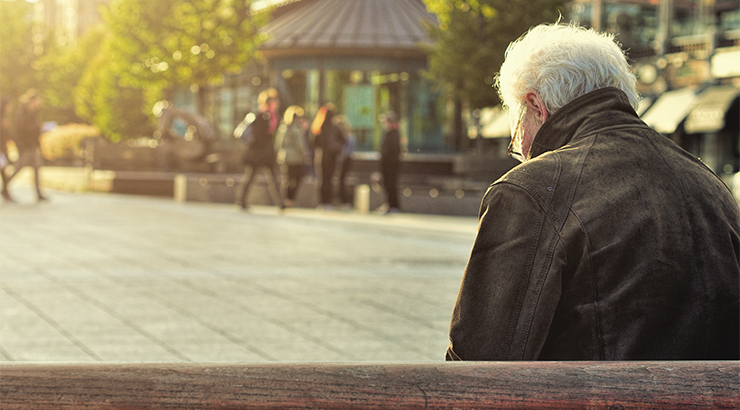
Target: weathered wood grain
<point x="467" y="385"/>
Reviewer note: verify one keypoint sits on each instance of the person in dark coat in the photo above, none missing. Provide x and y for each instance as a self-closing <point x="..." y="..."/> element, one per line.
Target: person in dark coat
<point x="260" y="151"/>
<point x="609" y="242"/>
<point x="329" y="140"/>
<point x="26" y="136"/>
<point x="390" y="161"/>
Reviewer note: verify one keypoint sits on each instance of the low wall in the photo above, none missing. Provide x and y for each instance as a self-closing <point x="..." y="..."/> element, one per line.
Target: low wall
<point x="414" y="197"/>
<point x="428" y="196"/>
<point x="73" y="179"/>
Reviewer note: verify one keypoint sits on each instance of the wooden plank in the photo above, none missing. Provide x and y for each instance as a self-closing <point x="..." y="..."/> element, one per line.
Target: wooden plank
<point x="470" y="385"/>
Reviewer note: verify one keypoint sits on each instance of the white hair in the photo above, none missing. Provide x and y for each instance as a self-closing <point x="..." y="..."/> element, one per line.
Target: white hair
<point x="561" y="63"/>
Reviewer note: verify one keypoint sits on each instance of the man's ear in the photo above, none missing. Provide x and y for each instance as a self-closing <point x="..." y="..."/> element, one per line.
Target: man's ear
<point x="535" y="104"/>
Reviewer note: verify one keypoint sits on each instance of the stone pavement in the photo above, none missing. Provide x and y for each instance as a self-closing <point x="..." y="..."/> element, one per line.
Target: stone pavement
<point x="114" y="278"/>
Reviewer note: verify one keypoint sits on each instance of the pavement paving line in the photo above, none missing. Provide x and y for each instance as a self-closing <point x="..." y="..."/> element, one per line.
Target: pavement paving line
<point x="50" y="321"/>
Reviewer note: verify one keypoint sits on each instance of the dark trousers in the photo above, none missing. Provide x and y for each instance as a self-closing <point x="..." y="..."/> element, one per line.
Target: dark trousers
<point x="295" y="174"/>
<point x="345" y="190"/>
<point x="28" y="157"/>
<point x="271" y="173"/>
<point x="328" y="166"/>
<point x="390" y="184"/>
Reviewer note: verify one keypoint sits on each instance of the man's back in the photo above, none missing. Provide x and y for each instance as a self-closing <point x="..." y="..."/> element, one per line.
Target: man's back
<point x="630" y="250"/>
<point x="660" y="260"/>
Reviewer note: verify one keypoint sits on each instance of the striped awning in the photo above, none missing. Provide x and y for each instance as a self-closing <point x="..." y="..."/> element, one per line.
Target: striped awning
<point x="711" y="108"/>
<point x="670" y="109"/>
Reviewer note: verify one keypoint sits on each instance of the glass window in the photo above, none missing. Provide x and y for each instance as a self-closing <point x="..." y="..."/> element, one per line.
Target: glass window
<point x="361" y="96"/>
<point x="634" y="25"/>
<point x="729" y="20"/>
<point x="687" y="18"/>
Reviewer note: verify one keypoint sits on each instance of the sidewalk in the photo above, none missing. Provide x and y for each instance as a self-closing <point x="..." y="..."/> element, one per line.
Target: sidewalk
<point x="114" y="278"/>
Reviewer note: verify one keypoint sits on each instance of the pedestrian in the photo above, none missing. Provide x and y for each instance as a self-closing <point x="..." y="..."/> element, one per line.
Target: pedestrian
<point x="259" y="151"/>
<point x="290" y="141"/>
<point x="5" y="108"/>
<point x="609" y="241"/>
<point x="345" y="159"/>
<point x="390" y="161"/>
<point x="26" y="136"/>
<point x="328" y="143"/>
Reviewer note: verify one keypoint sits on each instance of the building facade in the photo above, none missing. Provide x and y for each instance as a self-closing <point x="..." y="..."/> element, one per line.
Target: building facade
<point x="363" y="56"/>
<point x="69" y="19"/>
<point x="686" y="56"/>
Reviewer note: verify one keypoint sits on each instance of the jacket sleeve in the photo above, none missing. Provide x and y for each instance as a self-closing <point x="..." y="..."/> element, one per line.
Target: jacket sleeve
<point x="510" y="288"/>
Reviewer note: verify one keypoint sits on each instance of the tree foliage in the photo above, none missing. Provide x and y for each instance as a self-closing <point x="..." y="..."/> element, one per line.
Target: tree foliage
<point x="17" y="56"/>
<point x="165" y="44"/>
<point x="114" y="74"/>
<point x="119" y="111"/>
<point x="472" y="37"/>
<point x="61" y="69"/>
<point x="155" y="46"/>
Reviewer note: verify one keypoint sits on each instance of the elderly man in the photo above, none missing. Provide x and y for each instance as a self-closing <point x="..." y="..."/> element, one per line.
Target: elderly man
<point x="609" y="242"/>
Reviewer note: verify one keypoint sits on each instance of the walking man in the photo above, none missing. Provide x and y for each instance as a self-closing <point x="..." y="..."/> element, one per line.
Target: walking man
<point x="260" y="151"/>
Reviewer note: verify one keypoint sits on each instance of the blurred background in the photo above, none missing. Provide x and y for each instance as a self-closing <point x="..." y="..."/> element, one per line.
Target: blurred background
<point x="137" y="92"/>
<point x="144" y="96"/>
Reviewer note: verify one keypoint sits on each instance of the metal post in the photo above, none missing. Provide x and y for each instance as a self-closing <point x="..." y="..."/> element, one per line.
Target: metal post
<point x="596" y="14"/>
<point x="665" y="16"/>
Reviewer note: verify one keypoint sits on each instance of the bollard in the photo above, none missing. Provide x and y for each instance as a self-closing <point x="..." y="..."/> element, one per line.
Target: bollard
<point x="181" y="188"/>
<point x="88" y="178"/>
<point x="362" y="198"/>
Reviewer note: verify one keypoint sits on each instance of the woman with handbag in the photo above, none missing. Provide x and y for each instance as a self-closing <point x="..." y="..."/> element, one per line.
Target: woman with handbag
<point x="260" y="150"/>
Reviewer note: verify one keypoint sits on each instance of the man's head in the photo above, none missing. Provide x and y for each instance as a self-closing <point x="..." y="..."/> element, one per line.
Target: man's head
<point x="550" y="66"/>
<point x="268" y="100"/>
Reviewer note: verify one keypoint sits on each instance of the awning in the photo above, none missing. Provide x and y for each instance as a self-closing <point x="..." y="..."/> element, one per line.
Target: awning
<point x="726" y="63"/>
<point x="709" y="113"/>
<point x="670" y="109"/>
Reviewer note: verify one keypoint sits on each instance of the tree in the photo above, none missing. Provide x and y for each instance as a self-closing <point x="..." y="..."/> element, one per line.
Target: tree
<point x="101" y="99"/>
<point x="165" y="44"/>
<point x="152" y="47"/>
<point x="61" y="69"/>
<point x="470" y="42"/>
<point x="17" y="56"/>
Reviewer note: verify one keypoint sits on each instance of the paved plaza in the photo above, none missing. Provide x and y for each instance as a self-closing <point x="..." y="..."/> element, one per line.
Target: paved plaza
<point x="89" y="277"/>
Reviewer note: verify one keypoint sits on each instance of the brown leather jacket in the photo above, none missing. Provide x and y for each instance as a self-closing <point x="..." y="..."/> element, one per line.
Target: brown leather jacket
<point x="612" y="243"/>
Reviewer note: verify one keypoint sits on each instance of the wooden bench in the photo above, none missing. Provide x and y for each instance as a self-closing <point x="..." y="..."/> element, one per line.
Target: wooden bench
<point x="468" y="385"/>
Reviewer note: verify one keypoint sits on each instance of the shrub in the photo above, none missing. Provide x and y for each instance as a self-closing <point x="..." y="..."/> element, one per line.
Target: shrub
<point x="65" y="141"/>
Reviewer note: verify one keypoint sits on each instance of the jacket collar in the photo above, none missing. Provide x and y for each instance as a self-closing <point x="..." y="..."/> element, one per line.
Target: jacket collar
<point x="584" y="115"/>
